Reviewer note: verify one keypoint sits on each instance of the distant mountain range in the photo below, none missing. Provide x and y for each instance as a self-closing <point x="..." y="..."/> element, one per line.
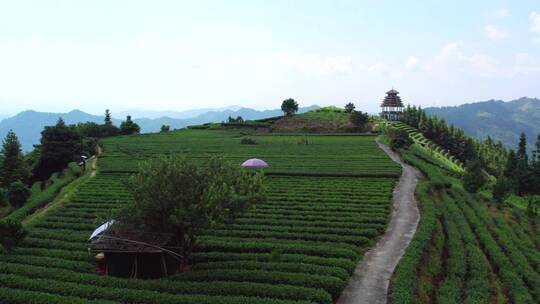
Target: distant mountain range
<point x="29" y="124"/>
<point x="501" y="120"/>
<point x="171" y="114"/>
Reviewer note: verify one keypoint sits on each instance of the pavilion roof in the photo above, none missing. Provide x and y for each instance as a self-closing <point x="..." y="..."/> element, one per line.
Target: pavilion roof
<point x="392" y="99"/>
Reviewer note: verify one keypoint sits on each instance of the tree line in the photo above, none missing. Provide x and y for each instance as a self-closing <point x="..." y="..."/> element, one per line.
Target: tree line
<point x="491" y="155"/>
<point x="516" y="171"/>
<point x="521" y="174"/>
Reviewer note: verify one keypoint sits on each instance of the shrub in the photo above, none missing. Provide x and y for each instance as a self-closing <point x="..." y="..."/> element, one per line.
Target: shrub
<point x="473" y="178"/>
<point x="18" y="193"/>
<point x="248" y="141"/>
<point x="399" y="139"/>
<point x="174" y="195"/>
<point x="165" y="128"/>
<point x="11" y="234"/>
<point x="358" y="118"/>
<point x="3" y="197"/>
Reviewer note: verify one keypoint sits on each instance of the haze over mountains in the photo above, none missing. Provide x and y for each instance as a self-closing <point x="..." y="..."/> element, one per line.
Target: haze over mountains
<point x="29" y="124"/>
<point x="501" y="120"/>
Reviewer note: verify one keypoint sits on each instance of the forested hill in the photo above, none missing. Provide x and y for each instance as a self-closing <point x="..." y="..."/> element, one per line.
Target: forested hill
<point x="501" y="120"/>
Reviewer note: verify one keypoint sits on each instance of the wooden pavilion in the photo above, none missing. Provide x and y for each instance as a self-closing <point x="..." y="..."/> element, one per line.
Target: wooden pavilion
<point x="392" y="106"/>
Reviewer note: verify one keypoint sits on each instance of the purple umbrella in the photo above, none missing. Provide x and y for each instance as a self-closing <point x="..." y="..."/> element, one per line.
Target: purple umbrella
<point x="254" y="163"/>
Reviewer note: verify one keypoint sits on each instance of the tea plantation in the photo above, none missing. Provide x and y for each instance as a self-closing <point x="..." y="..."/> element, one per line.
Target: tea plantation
<point x="466" y="250"/>
<point x="329" y="199"/>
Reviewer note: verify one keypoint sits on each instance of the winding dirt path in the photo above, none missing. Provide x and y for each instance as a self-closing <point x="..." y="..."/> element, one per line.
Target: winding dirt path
<point x="369" y="282"/>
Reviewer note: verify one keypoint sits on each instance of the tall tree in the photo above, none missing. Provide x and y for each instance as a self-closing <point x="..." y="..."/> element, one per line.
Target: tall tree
<point x="60" y="144"/>
<point x="108" y="120"/>
<point x="510" y="171"/>
<point x="13" y="164"/>
<point x="108" y="129"/>
<point x="128" y="127"/>
<point x="523" y="169"/>
<point x="501" y="189"/>
<point x="289" y="106"/>
<point x="536" y="164"/>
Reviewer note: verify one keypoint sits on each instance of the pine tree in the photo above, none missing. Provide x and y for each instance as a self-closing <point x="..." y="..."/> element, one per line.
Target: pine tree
<point x="510" y="171"/>
<point x="108" y="129"/>
<point x="536" y="165"/>
<point x="501" y="189"/>
<point x="13" y="165"/>
<point x="108" y="119"/>
<point x="523" y="169"/>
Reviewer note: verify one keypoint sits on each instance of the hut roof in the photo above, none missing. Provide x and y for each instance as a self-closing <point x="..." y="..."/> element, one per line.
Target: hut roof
<point x="392" y="99"/>
<point x="119" y="239"/>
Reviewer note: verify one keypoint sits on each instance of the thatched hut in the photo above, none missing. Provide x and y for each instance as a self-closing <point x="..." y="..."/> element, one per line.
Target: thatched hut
<point x="129" y="253"/>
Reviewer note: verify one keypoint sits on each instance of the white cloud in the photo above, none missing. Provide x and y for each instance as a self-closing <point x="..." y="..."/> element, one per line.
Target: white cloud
<point x="377" y="68"/>
<point x="495" y="33"/>
<point x="502" y="12"/>
<point x="525" y="63"/>
<point x="449" y="50"/>
<point x="452" y="56"/>
<point x="411" y="62"/>
<point x="147" y="38"/>
<point x="317" y="64"/>
<point x="535" y="25"/>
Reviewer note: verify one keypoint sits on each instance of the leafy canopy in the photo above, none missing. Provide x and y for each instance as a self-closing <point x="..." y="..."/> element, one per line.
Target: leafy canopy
<point x="60" y="145"/>
<point x="128" y="127"/>
<point x="18" y="194"/>
<point x="399" y="138"/>
<point x="174" y="195"/>
<point x="349" y="107"/>
<point x="289" y="106"/>
<point x="358" y="118"/>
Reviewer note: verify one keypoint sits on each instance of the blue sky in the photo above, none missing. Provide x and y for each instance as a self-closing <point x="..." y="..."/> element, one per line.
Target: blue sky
<point x="177" y="55"/>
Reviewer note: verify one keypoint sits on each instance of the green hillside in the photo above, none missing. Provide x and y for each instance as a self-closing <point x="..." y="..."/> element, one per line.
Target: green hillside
<point x="329" y="199"/>
<point x="466" y="250"/>
<point x="501" y="120"/>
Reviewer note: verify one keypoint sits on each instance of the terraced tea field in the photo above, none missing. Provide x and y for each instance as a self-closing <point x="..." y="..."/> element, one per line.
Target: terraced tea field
<point x="300" y="246"/>
<point x="466" y="251"/>
<point x="347" y="154"/>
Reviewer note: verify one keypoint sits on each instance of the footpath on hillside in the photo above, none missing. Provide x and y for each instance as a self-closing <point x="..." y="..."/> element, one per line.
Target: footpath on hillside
<point x="66" y="191"/>
<point x="369" y="282"/>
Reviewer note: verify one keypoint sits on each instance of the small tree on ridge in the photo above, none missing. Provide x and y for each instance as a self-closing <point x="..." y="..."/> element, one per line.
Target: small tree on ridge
<point x="289" y="107"/>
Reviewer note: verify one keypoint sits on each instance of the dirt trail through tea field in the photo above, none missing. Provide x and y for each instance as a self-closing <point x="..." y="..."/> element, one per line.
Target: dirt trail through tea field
<point x="369" y="282"/>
